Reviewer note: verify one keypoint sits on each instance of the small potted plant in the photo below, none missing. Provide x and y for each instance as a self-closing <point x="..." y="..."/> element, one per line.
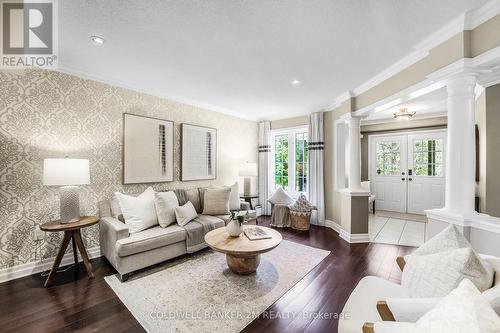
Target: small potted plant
<point x="235" y="226"/>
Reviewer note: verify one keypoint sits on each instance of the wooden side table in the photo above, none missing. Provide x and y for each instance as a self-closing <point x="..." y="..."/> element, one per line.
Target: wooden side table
<point x="71" y="232"/>
<point x="248" y="198"/>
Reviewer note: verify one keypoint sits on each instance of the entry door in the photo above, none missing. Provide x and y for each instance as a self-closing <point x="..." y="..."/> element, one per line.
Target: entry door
<point x="388" y="174"/>
<point x="426" y="178"/>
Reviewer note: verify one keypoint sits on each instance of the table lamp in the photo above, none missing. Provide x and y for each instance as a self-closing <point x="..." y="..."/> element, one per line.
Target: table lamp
<point x="248" y="170"/>
<point x="67" y="173"/>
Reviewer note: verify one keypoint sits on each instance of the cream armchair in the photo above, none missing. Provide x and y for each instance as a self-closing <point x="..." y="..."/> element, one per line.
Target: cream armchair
<point x="375" y="299"/>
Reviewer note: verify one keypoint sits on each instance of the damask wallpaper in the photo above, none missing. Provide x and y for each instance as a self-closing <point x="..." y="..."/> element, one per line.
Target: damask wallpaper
<point x="50" y="114"/>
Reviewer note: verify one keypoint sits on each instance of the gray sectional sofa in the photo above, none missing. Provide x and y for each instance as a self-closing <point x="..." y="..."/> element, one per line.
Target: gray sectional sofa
<point x="130" y="252"/>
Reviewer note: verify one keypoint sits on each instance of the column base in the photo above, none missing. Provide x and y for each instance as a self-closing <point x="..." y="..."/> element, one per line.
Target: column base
<point x="354" y="238"/>
<point x="354" y="216"/>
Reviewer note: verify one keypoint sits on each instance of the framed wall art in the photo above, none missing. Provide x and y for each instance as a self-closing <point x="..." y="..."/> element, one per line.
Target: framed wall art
<point x="198" y="152"/>
<point x="148" y="149"/>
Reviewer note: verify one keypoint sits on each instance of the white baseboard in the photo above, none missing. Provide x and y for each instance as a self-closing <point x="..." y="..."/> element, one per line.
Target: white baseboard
<point x="345" y="235"/>
<point x="355" y="238"/>
<point x="333" y="225"/>
<point x="19" y="271"/>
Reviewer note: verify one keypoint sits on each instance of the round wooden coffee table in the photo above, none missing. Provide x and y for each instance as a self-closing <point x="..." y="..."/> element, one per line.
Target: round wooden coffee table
<point x="242" y="254"/>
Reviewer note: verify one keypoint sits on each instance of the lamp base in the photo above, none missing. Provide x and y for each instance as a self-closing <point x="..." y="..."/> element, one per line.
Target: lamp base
<point x="247" y="186"/>
<point x="70" y="204"/>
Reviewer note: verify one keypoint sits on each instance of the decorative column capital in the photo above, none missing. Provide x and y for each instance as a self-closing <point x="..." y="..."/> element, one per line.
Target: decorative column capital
<point x="462" y="84"/>
<point x="459" y="77"/>
<point x="353" y="120"/>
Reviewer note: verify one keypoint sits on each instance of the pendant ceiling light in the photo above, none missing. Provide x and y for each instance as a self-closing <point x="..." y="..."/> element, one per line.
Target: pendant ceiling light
<point x="403" y="114"/>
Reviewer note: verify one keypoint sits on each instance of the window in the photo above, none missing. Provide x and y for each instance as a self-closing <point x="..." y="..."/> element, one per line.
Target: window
<point x="281" y="161"/>
<point x="301" y="161"/>
<point x="428" y="157"/>
<point x="290" y="160"/>
<point x="388" y="158"/>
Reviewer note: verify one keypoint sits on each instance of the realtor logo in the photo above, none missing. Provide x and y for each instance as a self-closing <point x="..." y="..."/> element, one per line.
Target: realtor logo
<point x="29" y="33"/>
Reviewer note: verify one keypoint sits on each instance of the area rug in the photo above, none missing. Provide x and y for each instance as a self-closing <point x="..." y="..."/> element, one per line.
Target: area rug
<point x="198" y="293"/>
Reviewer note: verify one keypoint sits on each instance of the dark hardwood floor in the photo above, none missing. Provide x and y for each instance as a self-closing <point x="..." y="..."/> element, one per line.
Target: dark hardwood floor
<point x="76" y="303"/>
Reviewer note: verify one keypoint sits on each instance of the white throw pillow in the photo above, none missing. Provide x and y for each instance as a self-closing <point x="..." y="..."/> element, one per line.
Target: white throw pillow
<point x="185" y="214"/>
<point x="493" y="297"/>
<point x="234" y="197"/>
<point x="464" y="310"/>
<point x="280" y="197"/>
<point x="165" y="203"/>
<point x="216" y="201"/>
<point x="139" y="212"/>
<point x="448" y="239"/>
<point x="435" y="275"/>
<point x="493" y="294"/>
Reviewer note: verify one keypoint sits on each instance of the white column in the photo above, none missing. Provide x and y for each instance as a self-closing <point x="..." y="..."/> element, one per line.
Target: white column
<point x="460" y="151"/>
<point x="354" y="153"/>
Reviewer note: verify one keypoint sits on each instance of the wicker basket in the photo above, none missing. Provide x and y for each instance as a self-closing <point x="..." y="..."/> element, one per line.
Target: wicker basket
<point x="300" y="220"/>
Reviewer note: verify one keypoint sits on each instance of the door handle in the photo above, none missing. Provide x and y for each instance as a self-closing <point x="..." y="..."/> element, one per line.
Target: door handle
<point x="409" y="179"/>
<point x="403" y="179"/>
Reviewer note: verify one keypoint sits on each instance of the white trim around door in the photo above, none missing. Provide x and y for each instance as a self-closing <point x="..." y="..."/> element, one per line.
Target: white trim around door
<point x="407" y="169"/>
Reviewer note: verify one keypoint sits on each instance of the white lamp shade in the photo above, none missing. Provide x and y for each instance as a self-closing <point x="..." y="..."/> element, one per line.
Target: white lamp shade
<point x="65" y="171"/>
<point x="248" y="170"/>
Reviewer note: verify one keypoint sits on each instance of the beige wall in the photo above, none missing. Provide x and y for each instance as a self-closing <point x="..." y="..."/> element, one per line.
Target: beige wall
<point x="485" y="37"/>
<point x="493" y="150"/>
<point x="50" y="114"/>
<point x="332" y="197"/>
<point x="390" y="127"/>
<point x="290" y="122"/>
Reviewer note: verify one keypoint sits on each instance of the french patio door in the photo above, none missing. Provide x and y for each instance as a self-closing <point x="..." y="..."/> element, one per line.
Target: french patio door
<point x="407" y="171"/>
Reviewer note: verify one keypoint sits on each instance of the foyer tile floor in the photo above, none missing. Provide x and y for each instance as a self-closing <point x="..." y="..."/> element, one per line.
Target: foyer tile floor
<point x="396" y="228"/>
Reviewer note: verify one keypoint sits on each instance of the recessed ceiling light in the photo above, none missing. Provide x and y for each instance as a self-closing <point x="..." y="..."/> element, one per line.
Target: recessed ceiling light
<point x="295" y="82"/>
<point x="98" y="40"/>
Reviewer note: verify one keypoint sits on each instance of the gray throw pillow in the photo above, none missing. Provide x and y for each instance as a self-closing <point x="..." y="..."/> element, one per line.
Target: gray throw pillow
<point x="193" y="195"/>
<point x="216" y="201"/>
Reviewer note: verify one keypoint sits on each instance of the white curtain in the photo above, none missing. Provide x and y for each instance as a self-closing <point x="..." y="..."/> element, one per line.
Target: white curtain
<point x="316" y="165"/>
<point x="264" y="155"/>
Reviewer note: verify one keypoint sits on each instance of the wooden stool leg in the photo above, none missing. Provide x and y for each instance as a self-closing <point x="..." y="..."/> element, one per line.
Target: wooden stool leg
<point x="57" y="262"/>
<point x="75" y="253"/>
<point x="78" y="238"/>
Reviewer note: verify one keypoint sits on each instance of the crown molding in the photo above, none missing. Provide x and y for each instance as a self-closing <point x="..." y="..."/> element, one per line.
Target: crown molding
<point x="340" y="100"/>
<point x="121" y="84"/>
<point x="476" y="17"/>
<point x="446" y="32"/>
<point x="390" y="71"/>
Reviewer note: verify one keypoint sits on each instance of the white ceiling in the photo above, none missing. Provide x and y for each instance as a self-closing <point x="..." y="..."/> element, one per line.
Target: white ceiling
<point x="240" y="57"/>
